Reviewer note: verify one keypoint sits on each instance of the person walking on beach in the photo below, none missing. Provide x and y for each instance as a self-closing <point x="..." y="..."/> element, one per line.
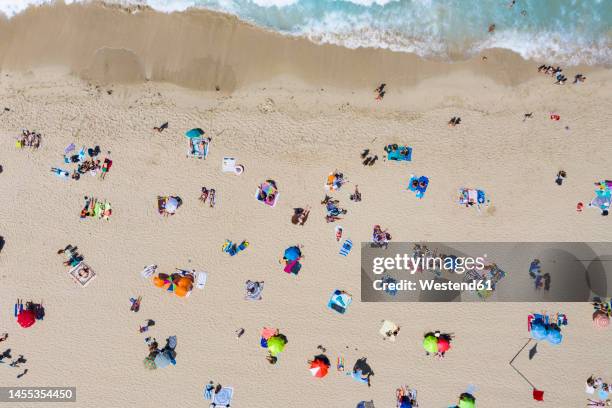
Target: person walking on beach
<point x="161" y="128"/>
<point x="380" y="91"/>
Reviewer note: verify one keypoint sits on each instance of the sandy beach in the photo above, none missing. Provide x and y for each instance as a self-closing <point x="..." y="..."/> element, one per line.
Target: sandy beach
<point x="290" y="111"/>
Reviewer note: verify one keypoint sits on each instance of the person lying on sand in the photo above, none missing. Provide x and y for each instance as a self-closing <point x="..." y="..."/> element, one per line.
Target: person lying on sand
<point x="211" y="199"/>
<point x="300" y="215"/>
<point x="204" y="194"/>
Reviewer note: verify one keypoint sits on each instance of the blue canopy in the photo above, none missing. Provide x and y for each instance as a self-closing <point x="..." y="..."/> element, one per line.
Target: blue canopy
<point x="195" y="132"/>
<point x="292" y="253"/>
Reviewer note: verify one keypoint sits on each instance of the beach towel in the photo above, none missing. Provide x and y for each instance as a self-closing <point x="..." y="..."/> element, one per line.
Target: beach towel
<point x="208" y="391"/>
<point x="201" y="278"/>
<point x="269" y="192"/>
<point x="223" y="398"/>
<point x="198" y="147"/>
<point x="61" y="173"/>
<point x="339" y="301"/>
<point x="340" y="363"/>
<point x="148" y="271"/>
<point x="402" y="153"/>
<point x="253" y="290"/>
<point x="293" y="267"/>
<point x="346" y="247"/>
<point x="82" y="274"/>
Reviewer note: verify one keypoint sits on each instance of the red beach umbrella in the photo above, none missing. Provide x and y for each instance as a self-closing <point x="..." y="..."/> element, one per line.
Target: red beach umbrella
<point x="318" y="368"/>
<point x="538" y="395"/>
<point x="443" y="345"/>
<point x="26" y="318"/>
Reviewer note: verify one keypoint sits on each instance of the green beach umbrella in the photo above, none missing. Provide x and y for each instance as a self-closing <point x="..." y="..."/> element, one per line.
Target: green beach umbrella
<point x="466" y="400"/>
<point x="275" y="345"/>
<point x="467" y="403"/>
<point x="196" y="132"/>
<point x="149" y="363"/>
<point x="430" y="344"/>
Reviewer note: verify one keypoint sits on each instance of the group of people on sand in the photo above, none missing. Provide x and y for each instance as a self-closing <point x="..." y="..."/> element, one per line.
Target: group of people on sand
<point x="208" y="194"/>
<point x="368" y="159"/>
<point x="596" y="385"/>
<point x="300" y="215"/>
<point x="15" y="363"/>
<point x="333" y="212"/>
<point x="380" y="237"/>
<point x="91" y="164"/>
<point x="29" y="139"/>
<point x="74" y="258"/>
<point x="556" y="72"/>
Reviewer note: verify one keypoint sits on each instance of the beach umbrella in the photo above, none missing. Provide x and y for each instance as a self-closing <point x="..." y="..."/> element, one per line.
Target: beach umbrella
<point x="292" y="253"/>
<point x="268" y="332"/>
<point x="430" y="344"/>
<point x="318" y="368"/>
<point x="172" y="205"/>
<point x="554" y="336"/>
<point x="600" y="320"/>
<point x="253" y="290"/>
<point x="149" y="363"/>
<point x="223" y="398"/>
<point x="276" y="345"/>
<point x="26" y="318"/>
<point x="171" y="342"/>
<point x="443" y="345"/>
<point x="538" y="331"/>
<point x="195" y="132"/>
<point x="467" y="403"/>
<point x="162" y="360"/>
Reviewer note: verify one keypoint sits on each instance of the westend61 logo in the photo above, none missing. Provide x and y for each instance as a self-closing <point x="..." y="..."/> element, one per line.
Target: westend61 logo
<point x="491" y="271"/>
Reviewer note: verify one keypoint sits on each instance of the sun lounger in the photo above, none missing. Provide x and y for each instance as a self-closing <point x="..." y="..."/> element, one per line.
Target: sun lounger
<point x="228" y="165"/>
<point x="201" y="278"/>
<point x="346" y="247"/>
<point x="223" y="398"/>
<point x="339" y="301"/>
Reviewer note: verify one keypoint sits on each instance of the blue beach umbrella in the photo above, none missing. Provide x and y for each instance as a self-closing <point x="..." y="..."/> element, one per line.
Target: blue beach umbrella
<point x="162" y="360"/>
<point x="292" y="253"/>
<point x="195" y="132"/>
<point x="539" y="331"/>
<point x="554" y="336"/>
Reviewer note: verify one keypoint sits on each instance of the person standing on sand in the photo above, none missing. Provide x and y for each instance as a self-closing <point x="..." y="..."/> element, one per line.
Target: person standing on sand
<point x="561" y="175"/>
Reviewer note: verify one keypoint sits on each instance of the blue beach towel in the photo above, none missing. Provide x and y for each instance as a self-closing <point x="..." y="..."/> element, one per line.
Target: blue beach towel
<point x="208" y="392"/>
<point x="346" y="247"/>
<point x="402" y="153"/>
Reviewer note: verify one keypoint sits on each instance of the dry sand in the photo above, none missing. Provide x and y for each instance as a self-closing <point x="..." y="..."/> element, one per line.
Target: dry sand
<point x="286" y="116"/>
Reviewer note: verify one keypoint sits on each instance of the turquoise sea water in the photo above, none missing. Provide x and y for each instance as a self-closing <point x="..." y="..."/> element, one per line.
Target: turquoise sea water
<point x="555" y="31"/>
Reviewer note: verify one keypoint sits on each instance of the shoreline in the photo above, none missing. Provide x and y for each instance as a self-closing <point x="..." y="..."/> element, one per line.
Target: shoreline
<point x="203" y="50"/>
